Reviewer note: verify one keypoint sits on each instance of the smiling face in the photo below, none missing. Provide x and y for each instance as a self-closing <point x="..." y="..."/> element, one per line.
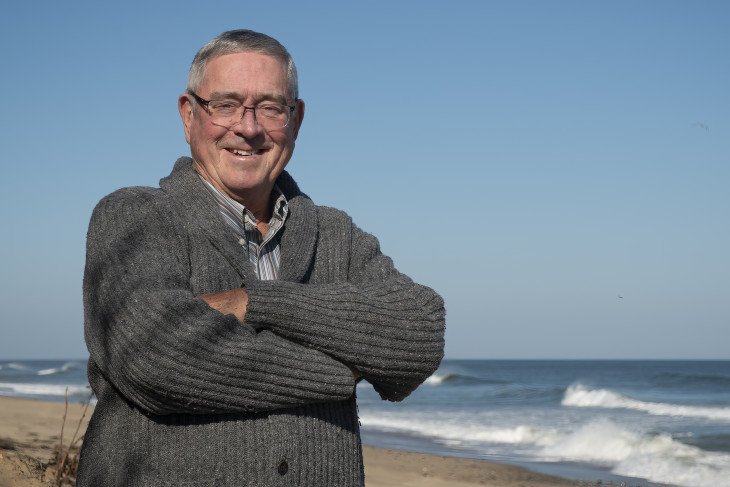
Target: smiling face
<point x="242" y="161"/>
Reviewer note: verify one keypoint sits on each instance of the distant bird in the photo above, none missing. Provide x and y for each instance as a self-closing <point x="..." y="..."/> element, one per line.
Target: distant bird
<point x="621" y="297"/>
<point x="702" y="126"/>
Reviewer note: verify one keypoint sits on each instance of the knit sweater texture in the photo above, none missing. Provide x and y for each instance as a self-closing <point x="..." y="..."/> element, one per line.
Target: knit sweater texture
<point x="188" y="396"/>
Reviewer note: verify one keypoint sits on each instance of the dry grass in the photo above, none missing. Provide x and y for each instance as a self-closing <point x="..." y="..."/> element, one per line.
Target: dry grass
<point x="66" y="462"/>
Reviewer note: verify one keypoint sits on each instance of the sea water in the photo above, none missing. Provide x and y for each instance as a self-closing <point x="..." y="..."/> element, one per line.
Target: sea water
<point x="646" y="423"/>
<point x="46" y="380"/>
<point x="639" y="422"/>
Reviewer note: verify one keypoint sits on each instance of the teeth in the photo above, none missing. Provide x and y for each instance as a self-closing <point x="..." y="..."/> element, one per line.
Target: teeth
<point x="243" y="152"/>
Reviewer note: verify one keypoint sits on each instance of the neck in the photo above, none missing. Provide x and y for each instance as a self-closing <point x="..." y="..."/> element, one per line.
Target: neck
<point x="257" y="200"/>
<point x="262" y="212"/>
<point x="260" y="207"/>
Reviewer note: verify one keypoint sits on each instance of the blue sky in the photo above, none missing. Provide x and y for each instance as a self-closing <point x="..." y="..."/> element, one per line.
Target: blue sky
<point x="532" y="161"/>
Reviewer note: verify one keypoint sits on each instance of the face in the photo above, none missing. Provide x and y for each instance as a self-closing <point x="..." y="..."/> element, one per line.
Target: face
<point x="243" y="161"/>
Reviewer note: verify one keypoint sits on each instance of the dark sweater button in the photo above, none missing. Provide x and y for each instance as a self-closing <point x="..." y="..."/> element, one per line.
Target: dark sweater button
<point x="283" y="467"/>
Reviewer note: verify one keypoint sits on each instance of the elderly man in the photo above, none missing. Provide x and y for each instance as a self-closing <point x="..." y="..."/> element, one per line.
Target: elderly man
<point x="228" y="318"/>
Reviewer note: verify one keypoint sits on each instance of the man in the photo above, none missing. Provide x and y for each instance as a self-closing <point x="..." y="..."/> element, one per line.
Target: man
<point x="229" y="318"/>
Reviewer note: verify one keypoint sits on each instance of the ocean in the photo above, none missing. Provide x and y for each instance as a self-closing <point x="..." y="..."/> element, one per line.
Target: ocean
<point x="645" y="423"/>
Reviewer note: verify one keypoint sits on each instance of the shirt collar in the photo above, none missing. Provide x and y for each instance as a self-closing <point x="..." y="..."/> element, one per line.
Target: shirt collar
<point x="279" y="204"/>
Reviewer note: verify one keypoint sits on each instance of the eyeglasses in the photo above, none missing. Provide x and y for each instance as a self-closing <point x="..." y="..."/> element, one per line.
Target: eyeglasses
<point x="228" y="112"/>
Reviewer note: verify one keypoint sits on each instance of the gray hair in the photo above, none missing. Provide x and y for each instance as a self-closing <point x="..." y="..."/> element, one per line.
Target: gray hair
<point x="242" y="40"/>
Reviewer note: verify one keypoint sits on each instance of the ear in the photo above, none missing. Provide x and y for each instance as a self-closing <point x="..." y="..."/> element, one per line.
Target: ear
<point x="298" y="117"/>
<point x="185" y="107"/>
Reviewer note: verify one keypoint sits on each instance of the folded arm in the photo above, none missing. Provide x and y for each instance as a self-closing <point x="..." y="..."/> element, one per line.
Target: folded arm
<point x="378" y="322"/>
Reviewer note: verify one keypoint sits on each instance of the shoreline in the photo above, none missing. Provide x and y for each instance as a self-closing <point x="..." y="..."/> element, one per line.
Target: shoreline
<point x="30" y="433"/>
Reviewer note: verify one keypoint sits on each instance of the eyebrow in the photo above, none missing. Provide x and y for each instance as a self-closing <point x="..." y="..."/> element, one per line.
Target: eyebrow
<point x="222" y="95"/>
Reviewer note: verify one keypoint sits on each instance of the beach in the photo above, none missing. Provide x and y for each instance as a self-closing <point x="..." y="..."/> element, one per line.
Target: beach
<point x="30" y="433"/>
<point x="636" y="423"/>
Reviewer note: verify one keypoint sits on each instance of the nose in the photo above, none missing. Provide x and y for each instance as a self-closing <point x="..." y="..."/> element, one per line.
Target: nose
<point x="247" y="125"/>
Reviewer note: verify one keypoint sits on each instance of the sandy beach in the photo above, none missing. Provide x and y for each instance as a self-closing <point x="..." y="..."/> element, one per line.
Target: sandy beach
<point x="30" y="436"/>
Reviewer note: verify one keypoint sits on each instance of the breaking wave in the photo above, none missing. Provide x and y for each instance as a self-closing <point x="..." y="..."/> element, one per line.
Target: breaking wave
<point x="65" y="367"/>
<point x="456" y="379"/>
<point x="657" y="457"/>
<point x="459" y="430"/>
<point x="578" y="395"/>
<point x="33" y="390"/>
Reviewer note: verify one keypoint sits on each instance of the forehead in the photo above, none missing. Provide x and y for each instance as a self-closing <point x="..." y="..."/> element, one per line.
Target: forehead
<point x="245" y="73"/>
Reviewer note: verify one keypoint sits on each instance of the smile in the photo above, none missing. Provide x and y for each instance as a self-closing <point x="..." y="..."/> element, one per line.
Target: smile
<point x="240" y="152"/>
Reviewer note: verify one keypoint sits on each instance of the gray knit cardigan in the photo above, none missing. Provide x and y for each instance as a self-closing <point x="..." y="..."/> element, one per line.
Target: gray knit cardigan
<point x="188" y="396"/>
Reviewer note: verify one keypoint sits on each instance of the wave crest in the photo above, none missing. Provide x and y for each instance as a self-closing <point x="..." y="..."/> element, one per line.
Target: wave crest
<point x="30" y="390"/>
<point x="623" y="451"/>
<point x="438" y="379"/>
<point x="656" y="457"/>
<point x="460" y="431"/>
<point x="578" y="395"/>
<point x="13" y="366"/>
<point x="65" y="367"/>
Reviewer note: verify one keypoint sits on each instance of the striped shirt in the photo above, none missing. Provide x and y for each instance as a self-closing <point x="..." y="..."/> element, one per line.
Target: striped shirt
<point x="263" y="252"/>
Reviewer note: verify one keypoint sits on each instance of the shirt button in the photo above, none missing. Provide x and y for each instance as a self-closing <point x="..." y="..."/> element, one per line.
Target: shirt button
<point x="283" y="467"/>
<point x="246" y="218"/>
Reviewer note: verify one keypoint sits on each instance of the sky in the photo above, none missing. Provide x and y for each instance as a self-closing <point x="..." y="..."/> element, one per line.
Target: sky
<point x="557" y="171"/>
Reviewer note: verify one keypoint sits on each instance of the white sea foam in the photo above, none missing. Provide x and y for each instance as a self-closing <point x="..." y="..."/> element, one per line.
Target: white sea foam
<point x="26" y="390"/>
<point x="436" y="379"/>
<point x="13" y="366"/>
<point x="658" y="458"/>
<point x="578" y="395"/>
<point x="698" y="469"/>
<point x="459" y="430"/>
<point x="63" y="368"/>
<point x="625" y="452"/>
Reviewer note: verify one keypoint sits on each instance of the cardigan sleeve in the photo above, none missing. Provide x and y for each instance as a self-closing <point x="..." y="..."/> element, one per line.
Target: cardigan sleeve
<point x="167" y="351"/>
<point x="378" y="321"/>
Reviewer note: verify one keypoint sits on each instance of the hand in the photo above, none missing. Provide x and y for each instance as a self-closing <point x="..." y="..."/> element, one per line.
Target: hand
<point x="231" y="302"/>
<point x="355" y="374"/>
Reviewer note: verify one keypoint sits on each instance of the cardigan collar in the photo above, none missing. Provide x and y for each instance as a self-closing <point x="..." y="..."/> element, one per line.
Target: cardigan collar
<point x="200" y="214"/>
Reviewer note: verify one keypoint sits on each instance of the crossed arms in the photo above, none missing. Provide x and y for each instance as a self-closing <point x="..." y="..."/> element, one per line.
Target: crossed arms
<point x="276" y="344"/>
<point x="234" y="302"/>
